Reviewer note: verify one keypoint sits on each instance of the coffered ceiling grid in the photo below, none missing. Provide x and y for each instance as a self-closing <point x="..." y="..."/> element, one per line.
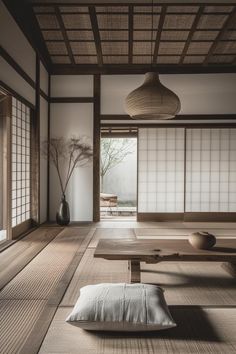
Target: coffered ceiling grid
<point x="174" y="35"/>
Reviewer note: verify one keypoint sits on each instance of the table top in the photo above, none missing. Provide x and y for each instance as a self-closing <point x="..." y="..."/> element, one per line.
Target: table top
<point x="122" y="249"/>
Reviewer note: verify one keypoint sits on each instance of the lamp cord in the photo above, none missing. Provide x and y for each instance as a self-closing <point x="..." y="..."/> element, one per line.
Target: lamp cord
<point x="152" y="33"/>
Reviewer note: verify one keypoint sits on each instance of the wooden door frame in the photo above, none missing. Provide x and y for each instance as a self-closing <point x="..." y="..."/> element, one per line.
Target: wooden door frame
<point x="7" y="174"/>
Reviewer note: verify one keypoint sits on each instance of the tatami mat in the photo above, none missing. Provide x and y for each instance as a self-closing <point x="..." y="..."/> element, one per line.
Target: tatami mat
<point x="38" y="289"/>
<point x="15" y="258"/>
<point x="93" y="271"/>
<point x="29" y="301"/>
<point x="45" y="271"/>
<point x="192" y="283"/>
<point x="111" y="233"/>
<point x="182" y="232"/>
<point x="197" y="331"/>
<point x="165" y="225"/>
<point x="17" y="317"/>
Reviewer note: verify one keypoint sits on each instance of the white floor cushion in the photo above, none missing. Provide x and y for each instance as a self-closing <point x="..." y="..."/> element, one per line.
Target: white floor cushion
<point x="121" y="307"/>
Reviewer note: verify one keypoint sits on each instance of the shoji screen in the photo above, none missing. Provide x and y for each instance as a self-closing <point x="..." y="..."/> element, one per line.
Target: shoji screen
<point x="20" y="162"/>
<point x="211" y="170"/>
<point x="161" y="170"/>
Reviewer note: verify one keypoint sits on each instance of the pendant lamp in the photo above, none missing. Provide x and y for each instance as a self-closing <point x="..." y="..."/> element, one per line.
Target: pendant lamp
<point x="152" y="100"/>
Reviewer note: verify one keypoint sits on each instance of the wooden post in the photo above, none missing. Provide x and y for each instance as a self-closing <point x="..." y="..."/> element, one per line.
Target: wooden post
<point x="6" y="113"/>
<point x="96" y="148"/>
<point x="35" y="151"/>
<point x="135" y="271"/>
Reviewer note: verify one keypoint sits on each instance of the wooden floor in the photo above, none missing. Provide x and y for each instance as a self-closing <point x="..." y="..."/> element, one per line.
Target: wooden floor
<point x="41" y="276"/>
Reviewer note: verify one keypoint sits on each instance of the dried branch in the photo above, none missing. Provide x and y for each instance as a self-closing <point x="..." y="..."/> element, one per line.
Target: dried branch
<point x="74" y="152"/>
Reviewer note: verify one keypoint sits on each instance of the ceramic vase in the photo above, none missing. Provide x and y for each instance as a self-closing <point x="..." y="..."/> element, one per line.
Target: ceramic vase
<point x="63" y="213"/>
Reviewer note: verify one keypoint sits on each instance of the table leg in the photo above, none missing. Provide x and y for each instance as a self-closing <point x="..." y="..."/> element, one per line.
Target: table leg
<point x="230" y="268"/>
<point x="135" y="273"/>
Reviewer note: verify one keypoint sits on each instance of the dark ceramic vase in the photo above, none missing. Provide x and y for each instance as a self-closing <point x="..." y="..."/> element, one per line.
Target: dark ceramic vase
<point x="63" y="214"/>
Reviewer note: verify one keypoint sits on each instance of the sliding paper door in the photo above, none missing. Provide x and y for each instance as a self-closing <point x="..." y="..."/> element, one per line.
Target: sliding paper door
<point x="21" y="131"/>
<point x="161" y="170"/>
<point x="211" y="170"/>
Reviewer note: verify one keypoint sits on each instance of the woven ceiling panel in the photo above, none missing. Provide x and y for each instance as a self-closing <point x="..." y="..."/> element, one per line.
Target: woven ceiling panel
<point x="73" y="9"/>
<point x="115" y="59"/>
<point x="229" y="35"/>
<point x="48" y="35"/>
<point x="212" y="21"/>
<point x="80" y="35"/>
<point x="218" y="8"/>
<point x="146" y="9"/>
<point x="222" y="59"/>
<point x="144" y="35"/>
<point x="168" y="60"/>
<point x="178" y="22"/>
<point x="77" y="21"/>
<point x="143" y="48"/>
<point x="105" y="9"/>
<point x="85" y="59"/>
<point x="87" y="48"/>
<point x="225" y="48"/>
<point x="142" y="59"/>
<point x="171" y="48"/>
<point x="42" y="9"/>
<point x="111" y="48"/>
<point x="199" y="47"/>
<point x="47" y="21"/>
<point x="205" y="35"/>
<point x="113" y="25"/>
<point x="114" y="35"/>
<point x="174" y="35"/>
<point x="60" y="59"/>
<point x="55" y="48"/>
<point x="145" y="21"/>
<point x="183" y="9"/>
<point x="194" y="59"/>
<point x="112" y="21"/>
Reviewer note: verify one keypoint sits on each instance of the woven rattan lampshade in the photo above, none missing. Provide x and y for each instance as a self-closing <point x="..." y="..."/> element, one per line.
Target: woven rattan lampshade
<point x="152" y="100"/>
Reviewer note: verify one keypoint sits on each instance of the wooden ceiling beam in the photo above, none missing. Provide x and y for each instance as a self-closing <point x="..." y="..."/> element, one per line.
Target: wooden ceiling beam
<point x="96" y="34"/>
<point x="115" y="69"/>
<point x="123" y="3"/>
<point x="131" y="28"/>
<point x="229" y="22"/>
<point x="159" y="32"/>
<point x="64" y="34"/>
<point x="202" y="117"/>
<point x="191" y="33"/>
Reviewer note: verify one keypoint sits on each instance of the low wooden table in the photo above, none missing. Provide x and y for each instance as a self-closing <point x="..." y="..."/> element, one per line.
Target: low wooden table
<point x="155" y="251"/>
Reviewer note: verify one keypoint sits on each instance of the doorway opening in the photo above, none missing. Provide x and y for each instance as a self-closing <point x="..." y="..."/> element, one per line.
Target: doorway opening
<point x="118" y="175"/>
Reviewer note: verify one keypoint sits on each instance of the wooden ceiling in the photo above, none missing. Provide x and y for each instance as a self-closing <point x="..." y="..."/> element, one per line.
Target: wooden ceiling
<point x="120" y="36"/>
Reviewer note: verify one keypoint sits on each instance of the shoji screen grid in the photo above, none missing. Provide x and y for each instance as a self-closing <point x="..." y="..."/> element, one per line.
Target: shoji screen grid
<point x="211" y="170"/>
<point x="20" y="162"/>
<point x="161" y="170"/>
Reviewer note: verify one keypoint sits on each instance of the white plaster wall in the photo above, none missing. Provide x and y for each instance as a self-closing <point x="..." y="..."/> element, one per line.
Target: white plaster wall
<point x="14" y="42"/>
<point x="73" y="119"/>
<point x="72" y="85"/>
<point x="43" y="78"/>
<point x="10" y="77"/>
<point x="43" y="161"/>
<point x="199" y="94"/>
